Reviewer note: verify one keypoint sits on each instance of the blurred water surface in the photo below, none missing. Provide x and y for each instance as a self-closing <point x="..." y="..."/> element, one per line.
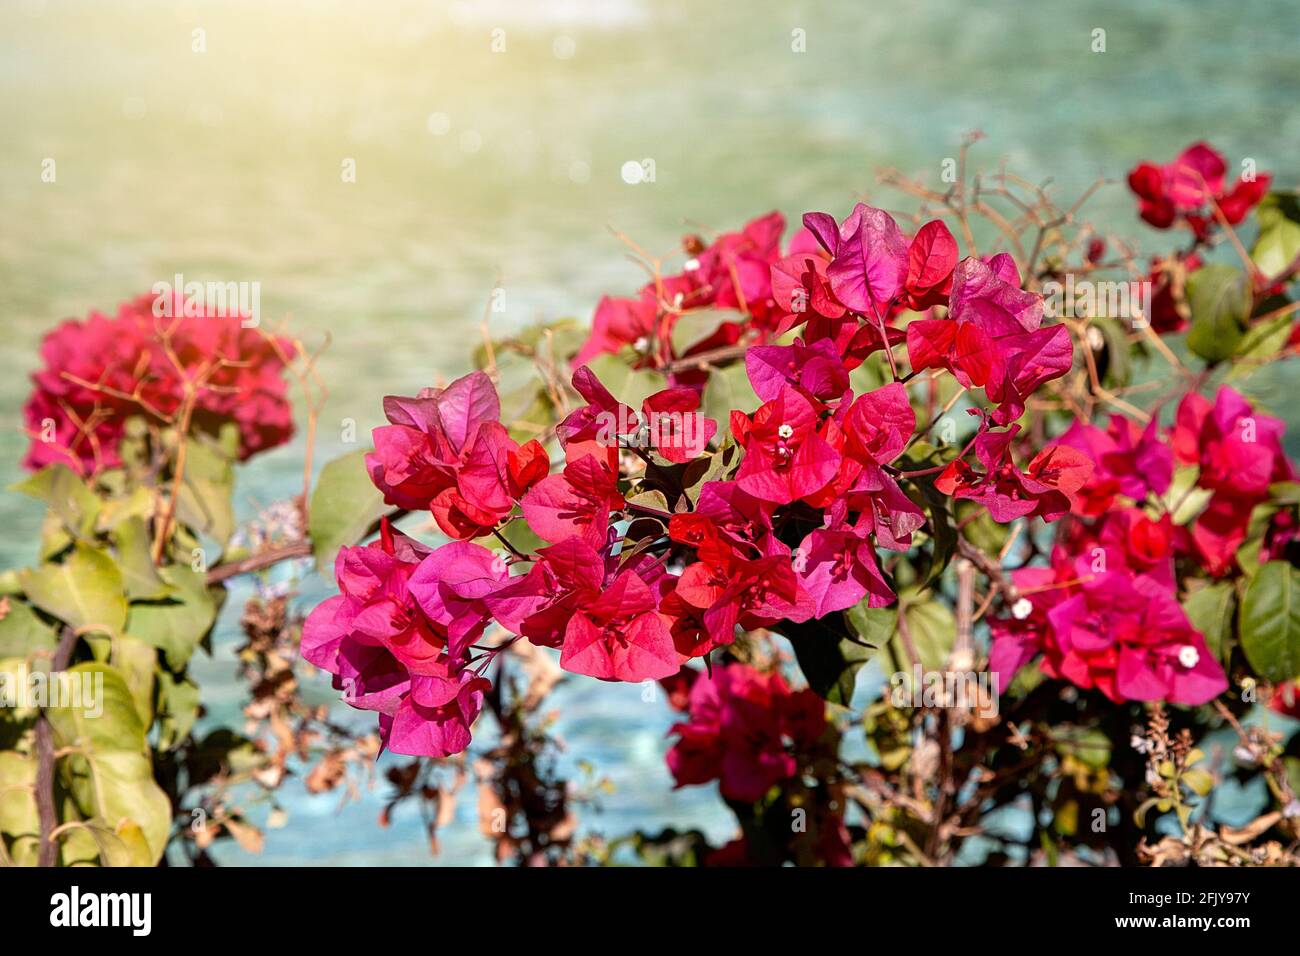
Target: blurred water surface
<point x="472" y="165"/>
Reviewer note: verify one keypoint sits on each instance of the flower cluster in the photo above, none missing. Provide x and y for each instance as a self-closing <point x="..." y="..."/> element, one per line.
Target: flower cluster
<point x="1191" y="187"/>
<point x="1238" y="454"/>
<point x="397" y="637"/>
<point x="731" y="274"/>
<point x="799" y="492"/>
<point x="744" y="728"/>
<point x="99" y="372"/>
<point x="1105" y="613"/>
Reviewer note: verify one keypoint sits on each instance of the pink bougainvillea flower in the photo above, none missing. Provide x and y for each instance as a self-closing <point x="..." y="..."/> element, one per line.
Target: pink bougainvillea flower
<point x="1122" y="633"/>
<point x="801" y="288"/>
<point x="620" y="635"/>
<point x="1128" y="637"/>
<point x="1127" y="460"/>
<point x="450" y="585"/>
<point x="430" y="721"/>
<point x="751" y="593"/>
<point x="619" y="323"/>
<point x="735" y="270"/>
<point x="931" y="258"/>
<point x="1238" y="449"/>
<point x="816" y="370"/>
<point x="993" y="337"/>
<point x="1044" y="490"/>
<point x="564" y="577"/>
<point x="669" y="422"/>
<point x="1239" y="454"/>
<point x="869" y="258"/>
<point x="786" y="458"/>
<point x="745" y="729"/>
<point x="445" y="451"/>
<point x="388" y="656"/>
<point x="575" y="503"/>
<point x="99" y="372"/>
<point x="837" y="567"/>
<point x="1188" y="186"/>
<point x="877" y="428"/>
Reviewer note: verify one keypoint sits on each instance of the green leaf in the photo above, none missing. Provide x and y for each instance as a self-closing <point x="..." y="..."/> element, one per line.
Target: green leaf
<point x="178" y="708"/>
<point x="19" y="820"/>
<point x="176" y="625"/>
<point x="110" y="774"/>
<point x="67" y="496"/>
<point x="694" y="327"/>
<point x="1184" y="499"/>
<point x="1086" y="744"/>
<point x="136" y="661"/>
<point x="728" y="388"/>
<point x="143" y="582"/>
<point x="1270" y="622"/>
<point x="1199" y="781"/>
<point x="204" y="502"/>
<point x="830" y="651"/>
<point x="22" y="632"/>
<point x="1219" y="298"/>
<point x="85" y="591"/>
<point x="139" y="503"/>
<point x="932" y="629"/>
<point x="1279" y="233"/>
<point x="1264" y="340"/>
<point x="629" y="385"/>
<point x="943" y="532"/>
<point x="344" y="506"/>
<point x="1210" y="610"/>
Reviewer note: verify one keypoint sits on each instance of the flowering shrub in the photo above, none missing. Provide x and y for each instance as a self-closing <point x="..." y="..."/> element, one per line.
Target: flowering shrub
<point x="102" y="371"/>
<point x="1065" y="534"/>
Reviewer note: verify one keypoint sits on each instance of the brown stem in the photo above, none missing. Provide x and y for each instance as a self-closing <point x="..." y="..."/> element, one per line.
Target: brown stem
<point x="178" y="475"/>
<point x="46" y="813"/>
<point x="299" y="549"/>
<point x="990" y="568"/>
<point x="716" y="356"/>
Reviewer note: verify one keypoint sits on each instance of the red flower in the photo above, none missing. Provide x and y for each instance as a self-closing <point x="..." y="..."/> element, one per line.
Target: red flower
<point x="1240" y="454"/>
<point x="446" y="451"/>
<point x="101" y="371"/>
<point x="620" y="635"/>
<point x="1054" y="475"/>
<point x="669" y="422"/>
<point x="1127" y="460"/>
<point x="993" y="337"/>
<point x="1188" y="186"/>
<point x="745" y="729"/>
<point x="786" y="457"/>
<point x="574" y="503"/>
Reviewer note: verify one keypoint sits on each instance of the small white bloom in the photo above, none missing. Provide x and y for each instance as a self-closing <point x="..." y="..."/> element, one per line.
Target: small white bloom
<point x="691" y="265"/>
<point x="641" y="344"/>
<point x="785" y="431"/>
<point x="1188" y="656"/>
<point x="1022" y="609"/>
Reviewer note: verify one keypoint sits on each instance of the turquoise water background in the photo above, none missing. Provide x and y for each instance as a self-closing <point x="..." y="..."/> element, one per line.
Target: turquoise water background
<point x="476" y="168"/>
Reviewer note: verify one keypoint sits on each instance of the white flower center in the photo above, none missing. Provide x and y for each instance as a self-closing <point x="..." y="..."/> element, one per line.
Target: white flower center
<point x="785" y="431"/>
<point x="1188" y="656"/>
<point x="691" y="265"/>
<point x="1022" y="609"/>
